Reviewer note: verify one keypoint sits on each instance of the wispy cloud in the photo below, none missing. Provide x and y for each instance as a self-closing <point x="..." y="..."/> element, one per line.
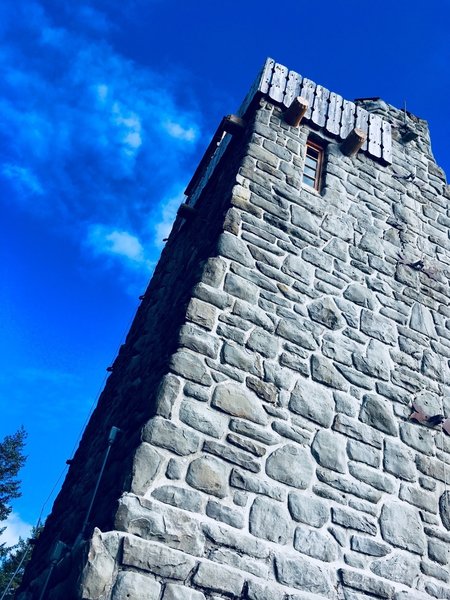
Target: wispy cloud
<point x="15" y="528"/>
<point x="120" y="244"/>
<point x="88" y="136"/>
<point x="167" y="211"/>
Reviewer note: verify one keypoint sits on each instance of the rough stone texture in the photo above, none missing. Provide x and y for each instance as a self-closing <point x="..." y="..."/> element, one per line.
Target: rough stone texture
<point x="136" y="586"/>
<point x="329" y="449"/>
<point x="302" y="574"/>
<point x="208" y="475"/>
<point x="311" y="511"/>
<point x="270" y="520"/>
<point x="290" y="465"/>
<point x="266" y="439"/>
<point x="239" y="402"/>
<point x="313" y="402"/>
<point x="401" y="526"/>
<point x="315" y="544"/>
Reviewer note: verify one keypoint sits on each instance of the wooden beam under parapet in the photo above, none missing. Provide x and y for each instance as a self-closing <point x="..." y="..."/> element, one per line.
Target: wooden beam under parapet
<point x="230" y="124"/>
<point x="353" y="142"/>
<point x="296" y="111"/>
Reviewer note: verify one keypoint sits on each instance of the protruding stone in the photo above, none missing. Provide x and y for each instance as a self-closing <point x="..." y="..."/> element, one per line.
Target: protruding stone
<point x="399" y="567"/>
<point x="298" y="268"/>
<point x="303" y="574"/>
<point x="323" y="371"/>
<point x="146" y="464"/>
<point x="157" y="559"/>
<point x="202" y="418"/>
<point x="368" y="546"/>
<point x="191" y="366"/>
<point x="378" y="327"/>
<point x="329" y="449"/>
<point x="378" y="413"/>
<point x="270" y="520"/>
<point x="234" y="248"/>
<point x="217" y="578"/>
<point x="236" y="400"/>
<point x="324" y="311"/>
<point x="376" y="362"/>
<point x="312" y="402"/>
<point x="315" y="544"/>
<point x="173" y="591"/>
<point x="290" y="465"/>
<point x="444" y="509"/>
<point x="164" y="433"/>
<point x="309" y="510"/>
<point x="208" y="475"/>
<point x="136" y="586"/>
<point x="401" y="526"/>
<point x="421" y="320"/>
<point x="399" y="460"/>
<point x="179" y="497"/>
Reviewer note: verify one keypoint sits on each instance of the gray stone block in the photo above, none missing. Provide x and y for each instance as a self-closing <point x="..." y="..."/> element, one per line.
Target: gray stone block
<point x="368" y="546"/>
<point x="227" y="515"/>
<point x="156" y="558"/>
<point x="146" y="464"/>
<point x="203" y="419"/>
<point x="172" y="591"/>
<point x="325" y="312"/>
<point x="270" y="520"/>
<point x="323" y="371"/>
<point x="290" y="465"/>
<point x="234" y="248"/>
<point x="179" y="497"/>
<point x="236" y="400"/>
<point x="250" y="483"/>
<point x="353" y="520"/>
<point x="377" y="413"/>
<point x="308" y="510"/>
<point x="399" y="460"/>
<point x="315" y="544"/>
<point x="208" y="475"/>
<point x="190" y="365"/>
<point x="329" y="449"/>
<point x="303" y="574"/>
<point x="313" y="402"/>
<point x="377" y="327"/>
<point x="217" y="578"/>
<point x="135" y="586"/>
<point x="400" y="567"/>
<point x="401" y="526"/>
<point x="165" y="434"/>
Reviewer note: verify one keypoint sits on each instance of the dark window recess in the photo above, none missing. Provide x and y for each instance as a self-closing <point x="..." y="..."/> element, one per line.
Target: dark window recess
<point x="312" y="171"/>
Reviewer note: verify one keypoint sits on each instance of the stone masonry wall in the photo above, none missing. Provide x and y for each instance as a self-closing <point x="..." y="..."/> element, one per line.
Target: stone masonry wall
<point x="285" y="464"/>
<point x="281" y="463"/>
<point x="129" y="399"/>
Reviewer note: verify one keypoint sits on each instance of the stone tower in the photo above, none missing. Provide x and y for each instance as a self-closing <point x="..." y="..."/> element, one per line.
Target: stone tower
<point x="282" y="394"/>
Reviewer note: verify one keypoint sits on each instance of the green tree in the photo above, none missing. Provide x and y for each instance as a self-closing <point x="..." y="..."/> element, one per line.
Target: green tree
<point x="12" y="459"/>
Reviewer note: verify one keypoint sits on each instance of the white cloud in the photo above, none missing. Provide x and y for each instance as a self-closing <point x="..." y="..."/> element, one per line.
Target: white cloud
<point x="98" y="138"/>
<point x="164" y="221"/>
<point x="106" y="241"/>
<point x="187" y="134"/>
<point x="15" y="528"/>
<point x="22" y="177"/>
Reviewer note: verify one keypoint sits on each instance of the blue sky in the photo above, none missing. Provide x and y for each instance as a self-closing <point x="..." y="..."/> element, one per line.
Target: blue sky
<point x="106" y="108"/>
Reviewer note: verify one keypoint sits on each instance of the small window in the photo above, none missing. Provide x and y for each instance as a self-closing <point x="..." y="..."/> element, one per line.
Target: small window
<point x="312" y="171"/>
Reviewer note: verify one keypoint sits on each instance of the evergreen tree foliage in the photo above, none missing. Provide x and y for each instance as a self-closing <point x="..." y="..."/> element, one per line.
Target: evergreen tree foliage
<point x="12" y="459"/>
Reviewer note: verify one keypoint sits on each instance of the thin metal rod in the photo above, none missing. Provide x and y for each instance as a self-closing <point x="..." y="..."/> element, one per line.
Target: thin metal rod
<point x="49" y="574"/>
<point x="15" y="573"/>
<point x="112" y="436"/>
